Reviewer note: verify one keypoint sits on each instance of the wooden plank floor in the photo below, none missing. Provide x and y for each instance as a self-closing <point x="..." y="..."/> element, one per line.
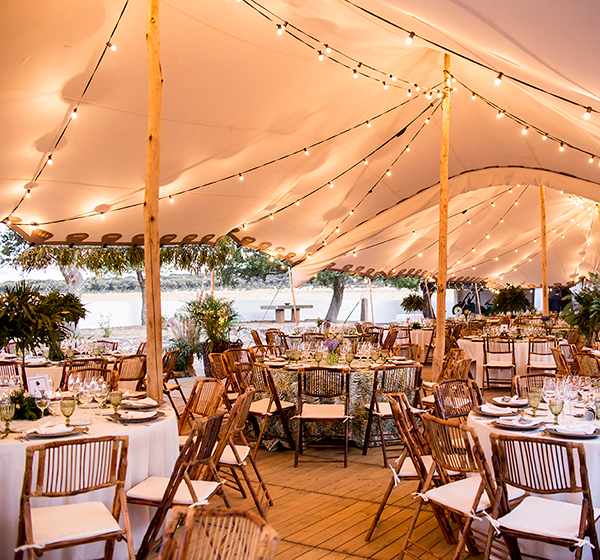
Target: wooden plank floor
<point x="323" y="511"/>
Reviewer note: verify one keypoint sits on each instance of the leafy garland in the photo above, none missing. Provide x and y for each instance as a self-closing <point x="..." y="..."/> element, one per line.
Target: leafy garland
<point x="25" y="407"/>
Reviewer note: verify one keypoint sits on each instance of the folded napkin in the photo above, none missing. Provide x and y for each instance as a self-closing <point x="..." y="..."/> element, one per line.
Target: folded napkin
<point x="127" y="394"/>
<point x="577" y="429"/>
<point x="47" y="428"/>
<point x="137" y="415"/>
<point x="510" y="400"/>
<point x="36" y="362"/>
<point x="140" y="403"/>
<point x="518" y="422"/>
<point x="493" y="409"/>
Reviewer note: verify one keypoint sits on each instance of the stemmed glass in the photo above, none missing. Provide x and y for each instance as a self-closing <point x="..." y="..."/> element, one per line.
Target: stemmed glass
<point x="42" y="400"/>
<point x="67" y="407"/>
<point x="7" y="412"/>
<point x="556" y="406"/>
<point x="534" y="397"/>
<point x="384" y="355"/>
<point x="349" y="357"/>
<point x="101" y="393"/>
<point x="318" y="357"/>
<point x="548" y="388"/>
<point x="375" y="355"/>
<point x="115" y="398"/>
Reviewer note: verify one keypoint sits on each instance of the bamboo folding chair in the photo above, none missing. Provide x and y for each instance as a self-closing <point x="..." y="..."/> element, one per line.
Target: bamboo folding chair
<point x="411" y="351"/>
<point x="389" y="379"/>
<point x="170" y="382"/>
<point x="237" y="452"/>
<point x="522" y="383"/>
<point x="256" y="338"/>
<point x="54" y="471"/>
<point x="278" y="338"/>
<point x="193" y="468"/>
<point x="403" y="336"/>
<point x="562" y="367"/>
<point x="109" y="345"/>
<point x="219" y="368"/>
<point x="204" y="400"/>
<point x="142" y="348"/>
<point x="314" y="338"/>
<point x="461" y="369"/>
<point x="8" y="372"/>
<point x="130" y="369"/>
<point x="390" y="339"/>
<point x="70" y="366"/>
<point x="218" y="535"/>
<point x="498" y="357"/>
<point x="587" y="365"/>
<point x="262" y="352"/>
<point x="540" y="356"/>
<point x="544" y="467"/>
<point x="454" y="447"/>
<point x="258" y="377"/>
<point x="455" y="398"/>
<point x="321" y="382"/>
<point x="415" y="461"/>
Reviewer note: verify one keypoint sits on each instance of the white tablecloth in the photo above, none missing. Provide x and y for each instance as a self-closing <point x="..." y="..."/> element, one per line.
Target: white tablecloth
<point x="484" y="428"/>
<point x="421" y="336"/>
<point x="153" y="450"/>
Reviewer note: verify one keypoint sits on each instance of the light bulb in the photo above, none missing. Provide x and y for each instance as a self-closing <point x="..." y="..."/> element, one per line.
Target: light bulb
<point x="393" y="78"/>
<point x="393" y="271"/>
<point x="458" y="261"/>
<point x="351" y="212"/>
<point x="409" y="93"/>
<point x="408" y="148"/>
<point x="171" y="199"/>
<point x="587" y="114"/>
<point x="354" y="253"/>
<point x="414" y="233"/>
<point x="495" y="258"/>
<point x="439" y="94"/>
<point x="388" y="173"/>
<point x="385" y="86"/>
<point x="469" y="222"/>
<point x="561" y="147"/>
<point x="305" y="152"/>
<point x="330" y="185"/>
<point x="410" y="38"/>
<point x="428" y="95"/>
<point x="321" y="57"/>
<point x="325" y="242"/>
<point x="368" y="124"/>
<point x="500" y="114"/>
<point x="524" y="131"/>
<point x="355" y="73"/>
<point x="501" y="220"/>
<point x="498" y="79"/>
<point x="244" y="227"/>
<point x="487" y="235"/>
<point x="111" y="46"/>
<point x="308" y="255"/>
<point x="417" y="88"/>
<point x="427" y="120"/>
<point x="50" y="162"/>
<point x="240" y="177"/>
<point x="102" y="215"/>
<point x="544" y="137"/>
<point x="473" y="96"/>
<point x="516" y="203"/>
<point x="74" y="113"/>
<point x="28" y="194"/>
<point x="366" y="162"/>
<point x="420" y="254"/>
<point x="337" y="230"/>
<point x="327" y="49"/>
<point x="473" y="250"/>
<point x="297" y="203"/>
<point x="493" y="204"/>
<point x="271" y="216"/>
<point x="280" y="29"/>
<point x="591" y="160"/>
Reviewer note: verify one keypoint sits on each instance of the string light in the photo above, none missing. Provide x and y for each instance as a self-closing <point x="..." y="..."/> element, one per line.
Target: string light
<point x="49" y="161"/>
<point x="355" y="73"/>
<point x="385" y="86"/>
<point x="271" y="216"/>
<point x="591" y="160"/>
<point x="280" y="28"/>
<point x="240" y="177"/>
<point x="327" y="49"/>
<point x="525" y="129"/>
<point x="74" y="113"/>
<point x="366" y="161"/>
<point x="500" y="114"/>
<point x="368" y="123"/>
<point x="171" y="199"/>
<point x="473" y="96"/>
<point x="297" y="203"/>
<point x="409" y="93"/>
<point x="306" y="152"/>
<point x="111" y="46"/>
<point x="28" y="193"/>
<point x="587" y="114"/>
<point x="498" y="79"/>
<point x="321" y="57"/>
<point x="388" y="173"/>
<point x="410" y="38"/>
<point x="561" y="147"/>
<point x="330" y="185"/>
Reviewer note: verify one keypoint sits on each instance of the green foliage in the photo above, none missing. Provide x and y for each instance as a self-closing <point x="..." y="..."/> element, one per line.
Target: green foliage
<point x="511" y="299"/>
<point x="583" y="308"/>
<point x="25" y="407"/>
<point x="213" y="316"/>
<point x="327" y="278"/>
<point x="248" y="265"/>
<point x="186" y="339"/>
<point x="31" y="318"/>
<point x="403" y="282"/>
<point x="413" y="303"/>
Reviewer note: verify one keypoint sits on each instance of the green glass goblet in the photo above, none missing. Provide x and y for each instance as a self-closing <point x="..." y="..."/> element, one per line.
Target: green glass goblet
<point x="68" y="404"/>
<point x="7" y="412"/>
<point x="349" y="357"/>
<point x="556" y="406"/>
<point x="318" y="357"/>
<point x="534" y="397"/>
<point x="115" y="398"/>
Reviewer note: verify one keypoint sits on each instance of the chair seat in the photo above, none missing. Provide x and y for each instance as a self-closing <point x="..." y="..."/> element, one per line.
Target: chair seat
<point x="428" y="384"/>
<point x="548" y="518"/>
<point x="228" y="457"/>
<point x="71" y="522"/>
<point x="428" y="400"/>
<point x="498" y="364"/>
<point x="459" y="495"/>
<point x="260" y="407"/>
<point x="408" y="469"/>
<point x="542" y="365"/>
<point x="323" y="412"/>
<point x="171" y="386"/>
<point x="153" y="489"/>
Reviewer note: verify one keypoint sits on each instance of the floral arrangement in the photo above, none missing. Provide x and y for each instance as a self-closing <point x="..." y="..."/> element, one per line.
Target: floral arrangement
<point x="25" y="407"/>
<point x="331" y="344"/>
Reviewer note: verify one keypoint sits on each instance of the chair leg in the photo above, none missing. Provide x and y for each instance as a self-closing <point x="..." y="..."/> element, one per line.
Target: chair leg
<point x="382" y="436"/>
<point x="382" y="505"/>
<point x="347" y="426"/>
<point x="298" y="449"/>
<point x="368" y="431"/>
<point x="168" y="393"/>
<point x="260" y="435"/>
<point x="411" y="528"/>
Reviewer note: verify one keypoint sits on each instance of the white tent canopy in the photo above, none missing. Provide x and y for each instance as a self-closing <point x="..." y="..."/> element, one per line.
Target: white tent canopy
<point x="241" y="100"/>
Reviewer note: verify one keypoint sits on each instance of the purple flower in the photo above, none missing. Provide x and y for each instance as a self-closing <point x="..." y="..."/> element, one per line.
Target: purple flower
<point x="331" y="344"/>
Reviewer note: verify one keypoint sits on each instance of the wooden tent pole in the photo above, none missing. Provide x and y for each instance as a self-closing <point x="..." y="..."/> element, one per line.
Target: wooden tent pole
<point x="371" y="297"/>
<point x="293" y="297"/>
<point x="151" y="225"/>
<point x="440" y="345"/>
<point x="545" y="303"/>
<point x="478" y="300"/>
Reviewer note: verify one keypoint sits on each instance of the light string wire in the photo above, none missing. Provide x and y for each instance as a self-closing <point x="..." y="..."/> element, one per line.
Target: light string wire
<point x="48" y="158"/>
<point x="412" y="34"/>
<point x="233" y="175"/>
<point x="585" y="247"/>
<point x="527" y="125"/>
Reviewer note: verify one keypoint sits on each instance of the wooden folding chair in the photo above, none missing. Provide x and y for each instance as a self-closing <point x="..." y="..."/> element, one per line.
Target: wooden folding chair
<point x="546" y="468"/>
<point x="221" y="371"/>
<point x="267" y="352"/>
<point x="170" y="381"/>
<point x="237" y="451"/>
<point x="193" y="467"/>
<point x="411" y="351"/>
<point x="455" y="398"/>
<point x="142" y="348"/>
<point x="562" y="367"/>
<point x="522" y="383"/>
<point x="454" y="447"/>
<point x="109" y="345"/>
<point x="540" y="356"/>
<point x="498" y="357"/>
<point x="389" y="379"/>
<point x="587" y="365"/>
<point x="130" y="369"/>
<point x="204" y="400"/>
<point x="278" y="338"/>
<point x="256" y="338"/>
<point x="258" y="377"/>
<point x="75" y="364"/>
<point x="321" y="382"/>
<point x="415" y="461"/>
<point x="218" y="534"/>
<point x="55" y="471"/>
<point x="390" y="339"/>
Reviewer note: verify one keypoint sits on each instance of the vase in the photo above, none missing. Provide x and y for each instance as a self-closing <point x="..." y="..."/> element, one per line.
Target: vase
<point x="332" y="357"/>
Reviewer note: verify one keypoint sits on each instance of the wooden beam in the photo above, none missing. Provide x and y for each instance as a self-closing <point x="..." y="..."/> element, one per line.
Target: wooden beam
<point x="293" y="297"/>
<point x="151" y="225"/>
<point x="371" y="298"/>
<point x="440" y="344"/>
<point x="545" y="303"/>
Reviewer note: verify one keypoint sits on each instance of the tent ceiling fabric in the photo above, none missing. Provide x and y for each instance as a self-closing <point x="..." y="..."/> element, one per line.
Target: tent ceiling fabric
<point x="240" y="98"/>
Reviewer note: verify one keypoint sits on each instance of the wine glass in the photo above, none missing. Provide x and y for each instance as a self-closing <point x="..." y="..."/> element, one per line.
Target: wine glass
<point x="375" y="354"/>
<point x="548" y="388"/>
<point x="115" y="398"/>
<point x="42" y="400"/>
<point x="384" y="355"/>
<point x="556" y="406"/>
<point x="101" y="393"/>
<point x="534" y="397"/>
<point x="7" y="412"/>
<point x="67" y="407"/>
<point x="318" y="357"/>
<point x="349" y="357"/>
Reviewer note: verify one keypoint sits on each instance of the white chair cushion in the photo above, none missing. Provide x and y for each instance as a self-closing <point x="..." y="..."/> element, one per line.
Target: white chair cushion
<point x="542" y="516"/>
<point x="172" y="386"/>
<point x="323" y="411"/>
<point x="260" y="407"/>
<point x="408" y="467"/>
<point x="428" y="384"/>
<point x="429" y="399"/>
<point x="498" y="363"/>
<point x="459" y="495"/>
<point x="542" y="364"/>
<point x="153" y="489"/>
<point x="71" y="521"/>
<point x="182" y="440"/>
<point x="228" y="457"/>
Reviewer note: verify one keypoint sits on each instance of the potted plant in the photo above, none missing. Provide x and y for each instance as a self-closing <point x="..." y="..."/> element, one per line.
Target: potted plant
<point x="30" y="319"/>
<point x="583" y="309"/>
<point x="214" y="318"/>
<point x="511" y="299"/>
<point x="413" y="303"/>
<point x="186" y="339"/>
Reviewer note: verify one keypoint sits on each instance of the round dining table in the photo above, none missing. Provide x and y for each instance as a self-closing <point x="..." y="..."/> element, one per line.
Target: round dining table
<point x="484" y="426"/>
<point x="153" y="450"/>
